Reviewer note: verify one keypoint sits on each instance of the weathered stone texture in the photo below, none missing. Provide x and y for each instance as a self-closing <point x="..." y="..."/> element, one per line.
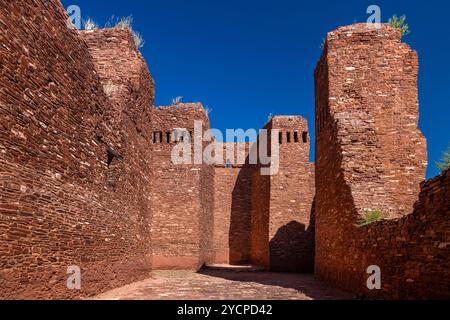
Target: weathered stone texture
<point x="87" y="177"/>
<point x="291" y="233"/>
<point x="232" y="208"/>
<point x="60" y="202"/>
<point x="260" y="219"/>
<point x="265" y="220"/>
<point x="124" y="75"/>
<point x="370" y="154"/>
<point x="413" y="252"/>
<point x="371" y="103"/>
<point x="182" y="195"/>
<point x="288" y="195"/>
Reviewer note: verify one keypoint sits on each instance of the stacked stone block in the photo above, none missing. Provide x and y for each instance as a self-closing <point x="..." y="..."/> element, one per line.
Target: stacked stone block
<point x="182" y="194"/>
<point x="370" y="155"/>
<point x="282" y="212"/>
<point x="69" y="173"/>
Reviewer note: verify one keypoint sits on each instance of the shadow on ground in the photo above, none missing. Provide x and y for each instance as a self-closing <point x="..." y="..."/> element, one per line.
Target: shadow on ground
<point x="303" y="283"/>
<point x="216" y="284"/>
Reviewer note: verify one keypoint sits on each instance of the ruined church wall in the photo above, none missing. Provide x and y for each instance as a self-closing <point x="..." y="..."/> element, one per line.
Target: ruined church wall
<point x="291" y="227"/>
<point x="232" y="208"/>
<point x="413" y="251"/>
<point x="371" y="155"/>
<point x="182" y="194"/>
<point x="260" y="218"/>
<point x="120" y="66"/>
<point x="61" y="204"/>
<point x="282" y="228"/>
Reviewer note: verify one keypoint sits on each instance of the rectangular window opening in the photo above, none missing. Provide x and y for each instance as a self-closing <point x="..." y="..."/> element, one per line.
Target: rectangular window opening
<point x="305" y="137"/>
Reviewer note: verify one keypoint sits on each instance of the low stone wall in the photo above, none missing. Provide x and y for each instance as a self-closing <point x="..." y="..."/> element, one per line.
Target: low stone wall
<point x="412" y="252"/>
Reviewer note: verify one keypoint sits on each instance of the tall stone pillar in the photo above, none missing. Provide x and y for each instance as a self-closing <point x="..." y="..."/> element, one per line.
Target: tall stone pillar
<point x="370" y="153"/>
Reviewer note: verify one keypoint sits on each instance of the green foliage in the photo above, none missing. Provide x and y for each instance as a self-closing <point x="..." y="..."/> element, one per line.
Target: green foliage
<point x="444" y="163"/>
<point x="400" y="23"/>
<point x="370" y="216"/>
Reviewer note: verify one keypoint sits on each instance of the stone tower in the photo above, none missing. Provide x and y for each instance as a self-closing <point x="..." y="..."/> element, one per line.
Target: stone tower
<point x="370" y="153"/>
<point x="282" y="217"/>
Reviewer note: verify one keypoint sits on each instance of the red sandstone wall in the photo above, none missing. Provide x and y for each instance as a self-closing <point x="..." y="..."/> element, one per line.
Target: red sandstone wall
<point x="291" y="233"/>
<point x="232" y="210"/>
<point x="124" y="76"/>
<point x="260" y="213"/>
<point x="413" y="252"/>
<point x="282" y="232"/>
<point x="370" y="154"/>
<point x="182" y="196"/>
<point x="60" y="202"/>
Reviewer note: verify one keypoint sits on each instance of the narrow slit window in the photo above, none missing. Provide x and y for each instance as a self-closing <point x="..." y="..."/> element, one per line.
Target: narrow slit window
<point x="288" y="137"/>
<point x="305" y="137"/>
<point x="154" y="137"/>
<point x="296" y="137"/>
<point x="281" y="137"/>
<point x="160" y="137"/>
<point x="168" y="137"/>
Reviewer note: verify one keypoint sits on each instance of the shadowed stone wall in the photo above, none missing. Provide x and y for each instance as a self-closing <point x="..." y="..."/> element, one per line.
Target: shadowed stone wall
<point x="266" y="220"/>
<point x="182" y="194"/>
<point x="74" y="176"/>
<point x="87" y="179"/>
<point x="370" y="154"/>
<point x="282" y="232"/>
<point x="232" y="208"/>
<point x="291" y="221"/>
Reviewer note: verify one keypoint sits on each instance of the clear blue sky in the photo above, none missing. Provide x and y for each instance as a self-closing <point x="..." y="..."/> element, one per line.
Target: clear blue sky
<point x="247" y="59"/>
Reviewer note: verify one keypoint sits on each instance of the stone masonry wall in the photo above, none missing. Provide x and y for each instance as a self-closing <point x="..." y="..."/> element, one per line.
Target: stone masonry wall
<point x="125" y="78"/>
<point x="182" y="194"/>
<point x="371" y="155"/>
<point x="260" y="217"/>
<point x="291" y="233"/>
<point x="266" y="220"/>
<point x="413" y="251"/>
<point x="73" y="182"/>
<point x="87" y="177"/>
<point x="282" y="232"/>
<point x="232" y="209"/>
